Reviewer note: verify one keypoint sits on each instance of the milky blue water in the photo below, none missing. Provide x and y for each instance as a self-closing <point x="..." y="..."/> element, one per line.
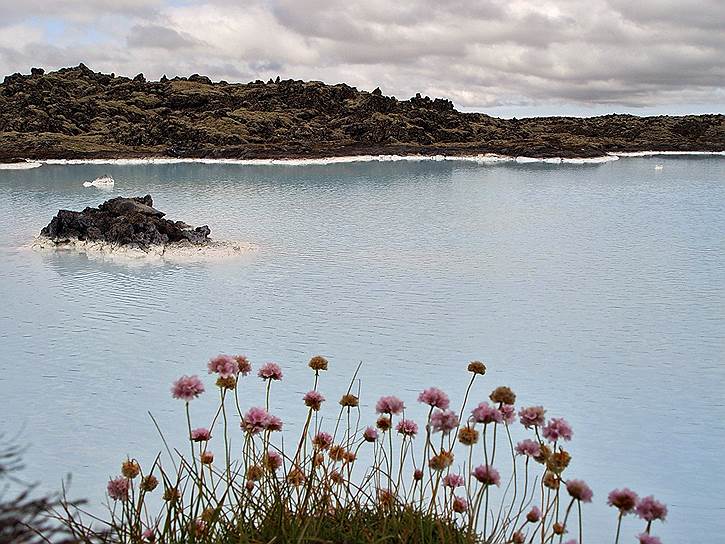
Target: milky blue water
<point x="597" y="291"/>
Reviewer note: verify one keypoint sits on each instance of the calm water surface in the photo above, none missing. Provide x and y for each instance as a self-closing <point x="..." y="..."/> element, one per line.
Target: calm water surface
<point x="598" y="291"/>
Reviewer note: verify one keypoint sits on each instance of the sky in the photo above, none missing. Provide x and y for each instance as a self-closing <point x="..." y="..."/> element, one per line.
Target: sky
<point x="503" y="57"/>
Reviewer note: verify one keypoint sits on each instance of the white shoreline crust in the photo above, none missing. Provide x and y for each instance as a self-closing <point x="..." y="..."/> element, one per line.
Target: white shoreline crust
<point x="176" y="252"/>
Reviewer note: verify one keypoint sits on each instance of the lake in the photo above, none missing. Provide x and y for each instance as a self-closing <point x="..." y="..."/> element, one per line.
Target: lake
<point x="595" y="290"/>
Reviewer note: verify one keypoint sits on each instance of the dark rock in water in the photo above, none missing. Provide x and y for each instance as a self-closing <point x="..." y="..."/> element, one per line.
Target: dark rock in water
<point x="123" y="221"/>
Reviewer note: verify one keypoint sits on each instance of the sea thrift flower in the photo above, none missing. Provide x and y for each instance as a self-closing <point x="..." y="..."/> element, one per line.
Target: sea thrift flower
<point x="557" y="429"/>
<point x="337" y="453"/>
<point x="149" y="483"/>
<point x="468" y="436"/>
<point x="417" y="475"/>
<point x="623" y="499"/>
<point x="296" y="477"/>
<point x="453" y="480"/>
<point x="650" y="509"/>
<point x="533" y="416"/>
<point x="558" y="461"/>
<point x="249" y="486"/>
<point x="171" y="494"/>
<point x="255" y="473"/>
<point x="130" y="469"/>
<point x="349" y="456"/>
<point x="199" y="526"/>
<point x="407" y="427"/>
<point x="243" y="363"/>
<point x="389" y="405"/>
<point x="533" y="515"/>
<point x="207" y="458"/>
<point x="579" y="490"/>
<point x="434" y="397"/>
<point x="518" y="538"/>
<point x="273" y="423"/>
<point x="441" y="461"/>
<point x="384" y="423"/>
<point x="503" y="395"/>
<point x="477" y="367"/>
<point x="508" y="413"/>
<point x="187" y="388"/>
<point x="270" y="371"/>
<point x="443" y="421"/>
<point x="370" y="434"/>
<point x="148" y="535"/>
<point x="644" y="538"/>
<point x="118" y="489"/>
<point x="255" y="420"/>
<point x="230" y="382"/>
<point x="485" y="413"/>
<point x="322" y="440"/>
<point x="528" y="447"/>
<point x="273" y="460"/>
<point x="487" y="475"/>
<point x="313" y="399"/>
<point x="200" y="435"/>
<point x="317" y="363"/>
<point x="459" y="505"/>
<point x="559" y="528"/>
<point x="551" y="480"/>
<point x="349" y="401"/>
<point x="224" y="365"/>
<point x="336" y="478"/>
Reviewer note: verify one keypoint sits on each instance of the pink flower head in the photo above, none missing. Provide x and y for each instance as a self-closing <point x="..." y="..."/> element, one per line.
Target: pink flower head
<point x="273" y="423"/>
<point x="579" y="490"/>
<point x="644" y="538"/>
<point x="650" y="509"/>
<point x="528" y="447"/>
<point x="243" y="363"/>
<point x="623" y="499"/>
<point x="255" y="420"/>
<point x="187" y="388"/>
<point x="322" y="440"/>
<point x="434" y="397"/>
<point x="459" y="505"/>
<point x="533" y="515"/>
<point x="557" y="429"/>
<point x="148" y="535"/>
<point x="485" y="413"/>
<point x="532" y="416"/>
<point x="487" y="475"/>
<point x="200" y="435"/>
<point x="417" y="475"/>
<point x="273" y="460"/>
<point x="118" y="489"/>
<point x="389" y="405"/>
<point x="453" y="480"/>
<point x="407" y="427"/>
<point x="224" y="365"/>
<point x="443" y="421"/>
<point x="370" y="434"/>
<point x="313" y="399"/>
<point x="508" y="413"/>
<point x="270" y="371"/>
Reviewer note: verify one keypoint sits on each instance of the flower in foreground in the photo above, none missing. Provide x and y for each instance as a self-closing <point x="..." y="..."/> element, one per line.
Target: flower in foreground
<point x="187" y="388"/>
<point x="460" y="505"/>
<point x="487" y="475"/>
<point x="200" y="435"/>
<point x="118" y="489"/>
<point x="417" y="475"/>
<point x="650" y="509"/>
<point x="453" y="480"/>
<point x="317" y="363"/>
<point x="533" y="416"/>
<point x="485" y="413"/>
<point x="322" y="440"/>
<point x="503" y="395"/>
<point x="389" y="405"/>
<point x="349" y="401"/>
<point x="477" y="367"/>
<point x="207" y="458"/>
<point x="273" y="460"/>
<point x="468" y="436"/>
<point x="557" y="429"/>
<point x="508" y="413"/>
<point x="533" y="515"/>
<point x="243" y="363"/>
<point x="644" y="538"/>
<point x="313" y="399"/>
<point x="270" y="371"/>
<point x="149" y="483"/>
<point x="528" y="447"/>
<point x="443" y="421"/>
<point x="441" y="461"/>
<point x="384" y="423"/>
<point x="370" y="434"/>
<point x="148" y="535"/>
<point x="435" y="398"/>
<point x="130" y="469"/>
<point x="224" y="365"/>
<point x="258" y="419"/>
<point x="623" y="500"/>
<point x="407" y="427"/>
<point x="579" y="490"/>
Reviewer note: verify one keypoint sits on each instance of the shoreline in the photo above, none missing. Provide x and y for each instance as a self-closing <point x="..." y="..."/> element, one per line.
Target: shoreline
<point x="486" y="158"/>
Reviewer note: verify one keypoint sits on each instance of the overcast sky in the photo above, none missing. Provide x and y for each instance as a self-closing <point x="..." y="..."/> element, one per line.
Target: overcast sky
<point x="506" y="57"/>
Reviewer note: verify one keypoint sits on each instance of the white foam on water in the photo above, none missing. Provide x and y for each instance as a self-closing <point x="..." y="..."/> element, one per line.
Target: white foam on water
<point x="654" y="153"/>
<point x="26" y="165"/>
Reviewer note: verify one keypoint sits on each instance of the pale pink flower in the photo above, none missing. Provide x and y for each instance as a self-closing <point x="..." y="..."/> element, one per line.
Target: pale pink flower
<point x="487" y="475"/>
<point x="199" y="526"/>
<point x="453" y="480"/>
<point x="644" y="538"/>
<point x="273" y="423"/>
<point x="255" y="420"/>
<point x="533" y="416"/>
<point x="650" y="509"/>
<point x="557" y="429"/>
<point x="370" y="434"/>
<point x="270" y="371"/>
<point x="200" y="435"/>
<point x="313" y="399"/>
<point x="508" y="413"/>
<point x="187" y="388"/>
<point x="623" y="499"/>
<point x="407" y="427"/>
<point x="118" y="489"/>
<point x="148" y="535"/>
<point x="485" y="413"/>
<point x="579" y="490"/>
<point x="207" y="457"/>
<point x="533" y="515"/>
<point x="322" y="440"/>
<point x="224" y="365"/>
<point x="459" y="505"/>
<point x="273" y="460"/>
<point x="528" y="447"/>
<point x="389" y="405"/>
<point x="243" y="363"/>
<point x="444" y="421"/>
<point x="434" y="397"/>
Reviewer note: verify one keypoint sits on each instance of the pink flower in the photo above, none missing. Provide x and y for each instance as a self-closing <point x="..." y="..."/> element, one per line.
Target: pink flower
<point x="443" y="421"/>
<point x="313" y="399"/>
<point x="200" y="435"/>
<point x="118" y="489"/>
<point x="370" y="434"/>
<point x="434" y="397"/>
<point x="533" y="515"/>
<point x="508" y="413"/>
<point x="148" y="535"/>
<point x="532" y="416"/>
<point x="417" y="475"/>
<point x="487" y="475"/>
<point x="273" y="423"/>
<point x="187" y="388"/>
<point x="644" y="538"/>
<point x="650" y="509"/>
<point x="459" y="505"/>
<point x="579" y="490"/>
<point x="273" y="460"/>
<point x="407" y="427"/>
<point x="322" y="440"/>
<point x="389" y="405"/>
<point x="623" y="499"/>
<point x="224" y="365"/>
<point x="485" y="413"/>
<point x="243" y="363"/>
<point x="258" y="419"/>
<point x="270" y="371"/>
<point x="453" y="480"/>
<point x="528" y="447"/>
<point x="556" y="429"/>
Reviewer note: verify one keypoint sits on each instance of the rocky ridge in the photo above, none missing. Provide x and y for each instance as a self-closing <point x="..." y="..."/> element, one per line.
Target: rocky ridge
<point x="78" y="113"/>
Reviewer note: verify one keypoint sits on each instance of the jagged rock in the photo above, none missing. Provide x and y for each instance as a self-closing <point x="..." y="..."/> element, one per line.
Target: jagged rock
<point x="124" y="222"/>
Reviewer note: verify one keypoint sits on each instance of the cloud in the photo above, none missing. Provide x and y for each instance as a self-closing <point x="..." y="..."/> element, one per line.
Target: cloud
<point x="482" y="54"/>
